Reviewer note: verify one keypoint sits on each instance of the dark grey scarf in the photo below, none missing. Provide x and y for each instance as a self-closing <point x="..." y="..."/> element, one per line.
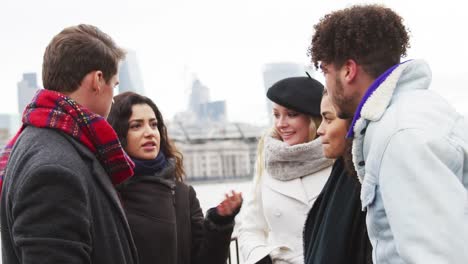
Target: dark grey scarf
<point x="284" y="162"/>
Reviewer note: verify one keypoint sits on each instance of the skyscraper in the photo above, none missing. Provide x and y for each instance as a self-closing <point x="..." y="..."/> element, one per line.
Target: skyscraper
<point x="27" y="88"/>
<point x="214" y="111"/>
<point x="9" y="125"/>
<point x="200" y="108"/>
<point x="130" y="75"/>
<point x="200" y="94"/>
<point x="273" y="72"/>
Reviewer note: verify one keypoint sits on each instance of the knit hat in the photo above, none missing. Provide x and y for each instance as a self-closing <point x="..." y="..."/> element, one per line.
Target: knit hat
<point x="301" y="94"/>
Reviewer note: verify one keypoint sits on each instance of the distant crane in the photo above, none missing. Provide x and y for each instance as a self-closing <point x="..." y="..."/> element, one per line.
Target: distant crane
<point x="184" y="131"/>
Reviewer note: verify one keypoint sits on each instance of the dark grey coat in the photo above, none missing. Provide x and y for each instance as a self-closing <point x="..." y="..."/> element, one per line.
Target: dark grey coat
<point x="58" y="205"/>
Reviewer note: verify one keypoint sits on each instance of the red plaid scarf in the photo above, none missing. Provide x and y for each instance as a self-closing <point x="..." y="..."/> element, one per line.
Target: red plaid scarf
<point x="50" y="109"/>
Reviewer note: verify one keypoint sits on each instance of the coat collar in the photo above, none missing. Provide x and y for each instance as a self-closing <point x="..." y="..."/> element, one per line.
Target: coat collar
<point x="378" y="96"/>
<point x="373" y="105"/>
<point x="101" y="176"/>
<point x="291" y="188"/>
<point x="409" y="75"/>
<point x="304" y="190"/>
<point x="106" y="185"/>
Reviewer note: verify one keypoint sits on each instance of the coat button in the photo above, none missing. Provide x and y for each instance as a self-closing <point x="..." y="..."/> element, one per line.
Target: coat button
<point x="362" y="163"/>
<point x="363" y="131"/>
<point x="277" y="214"/>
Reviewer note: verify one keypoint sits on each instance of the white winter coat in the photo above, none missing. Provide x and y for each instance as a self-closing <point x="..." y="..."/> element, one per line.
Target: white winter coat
<point x="273" y="216"/>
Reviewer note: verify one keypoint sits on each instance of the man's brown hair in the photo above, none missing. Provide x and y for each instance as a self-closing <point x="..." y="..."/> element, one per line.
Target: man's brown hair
<point x="75" y="52"/>
<point x="372" y="35"/>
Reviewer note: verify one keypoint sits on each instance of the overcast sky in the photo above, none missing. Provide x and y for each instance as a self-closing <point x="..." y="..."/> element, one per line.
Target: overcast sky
<point x="225" y="43"/>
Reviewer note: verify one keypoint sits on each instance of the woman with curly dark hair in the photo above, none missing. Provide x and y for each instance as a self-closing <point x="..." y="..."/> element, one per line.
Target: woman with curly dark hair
<point x="163" y="212"/>
<point x="409" y="145"/>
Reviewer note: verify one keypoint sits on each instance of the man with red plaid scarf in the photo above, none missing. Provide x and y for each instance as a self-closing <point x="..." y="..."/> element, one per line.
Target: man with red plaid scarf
<point x="57" y="175"/>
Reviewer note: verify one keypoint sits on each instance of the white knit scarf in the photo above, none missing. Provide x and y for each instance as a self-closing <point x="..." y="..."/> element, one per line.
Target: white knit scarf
<point x="284" y="162"/>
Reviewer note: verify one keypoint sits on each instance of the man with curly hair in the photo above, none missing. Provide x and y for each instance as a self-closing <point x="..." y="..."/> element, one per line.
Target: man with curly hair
<point x="410" y="147"/>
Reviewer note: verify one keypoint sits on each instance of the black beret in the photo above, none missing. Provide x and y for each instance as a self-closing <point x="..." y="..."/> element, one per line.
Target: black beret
<point x="301" y="94"/>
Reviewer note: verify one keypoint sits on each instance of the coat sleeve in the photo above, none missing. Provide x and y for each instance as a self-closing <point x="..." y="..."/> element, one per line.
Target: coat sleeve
<point x="210" y="241"/>
<point x="253" y="228"/>
<point x="425" y="201"/>
<point x="50" y="217"/>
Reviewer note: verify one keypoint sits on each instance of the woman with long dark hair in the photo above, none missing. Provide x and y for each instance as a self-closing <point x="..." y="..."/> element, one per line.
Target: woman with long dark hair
<point x="164" y="213"/>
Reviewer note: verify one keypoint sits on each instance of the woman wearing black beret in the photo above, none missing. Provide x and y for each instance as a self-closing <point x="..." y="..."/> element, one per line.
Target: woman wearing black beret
<point x="291" y="171"/>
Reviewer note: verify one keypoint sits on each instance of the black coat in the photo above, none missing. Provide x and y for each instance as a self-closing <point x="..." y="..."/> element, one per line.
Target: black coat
<point x="168" y="224"/>
<point x="58" y="205"/>
<point x="335" y="231"/>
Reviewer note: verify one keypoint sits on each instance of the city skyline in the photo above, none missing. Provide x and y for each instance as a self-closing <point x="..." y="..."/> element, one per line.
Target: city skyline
<point x="225" y="43"/>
